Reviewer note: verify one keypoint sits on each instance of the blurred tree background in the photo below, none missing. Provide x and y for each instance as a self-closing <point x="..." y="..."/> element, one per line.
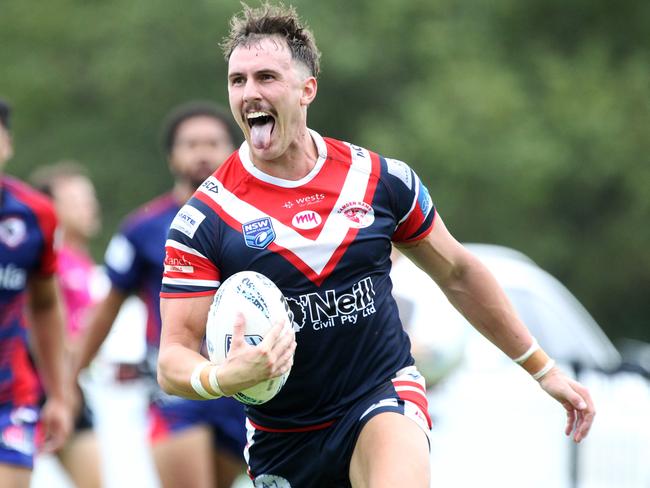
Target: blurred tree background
<point x="529" y="121"/>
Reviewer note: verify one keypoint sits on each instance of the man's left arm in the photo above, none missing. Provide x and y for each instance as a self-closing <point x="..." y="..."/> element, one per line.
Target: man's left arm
<point x="474" y="291"/>
<point x="47" y="339"/>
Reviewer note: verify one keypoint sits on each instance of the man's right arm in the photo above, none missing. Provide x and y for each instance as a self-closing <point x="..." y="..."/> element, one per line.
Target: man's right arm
<point x="183" y="329"/>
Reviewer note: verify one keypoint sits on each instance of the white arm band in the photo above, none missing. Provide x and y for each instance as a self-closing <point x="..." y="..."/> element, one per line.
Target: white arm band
<point x="533" y="347"/>
<point x="549" y="365"/>
<point x="214" y="382"/>
<point x="195" y="381"/>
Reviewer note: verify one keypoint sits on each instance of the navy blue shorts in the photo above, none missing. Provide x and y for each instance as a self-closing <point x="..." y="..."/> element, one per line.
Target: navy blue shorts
<point x="321" y="458"/>
<point x="18" y="435"/>
<point x="225" y="416"/>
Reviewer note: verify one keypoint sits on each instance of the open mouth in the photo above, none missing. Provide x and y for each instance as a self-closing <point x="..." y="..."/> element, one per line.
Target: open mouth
<point x="258" y="118"/>
<point x="261" y="125"/>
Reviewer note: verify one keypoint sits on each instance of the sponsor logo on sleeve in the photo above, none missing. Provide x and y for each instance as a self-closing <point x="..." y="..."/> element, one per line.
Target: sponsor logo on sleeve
<point x="399" y="169"/>
<point x="187" y="220"/>
<point x="178" y="264"/>
<point x="211" y="185"/>
<point x="258" y="233"/>
<point x="119" y="254"/>
<point x="424" y="200"/>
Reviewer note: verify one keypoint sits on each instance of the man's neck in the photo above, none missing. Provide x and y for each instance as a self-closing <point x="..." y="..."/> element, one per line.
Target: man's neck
<point x="75" y="241"/>
<point x="182" y="191"/>
<point x="295" y="163"/>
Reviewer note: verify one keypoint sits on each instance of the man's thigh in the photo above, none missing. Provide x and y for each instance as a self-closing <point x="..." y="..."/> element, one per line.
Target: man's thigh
<point x="12" y="476"/>
<point x="392" y="450"/>
<point x="184" y="458"/>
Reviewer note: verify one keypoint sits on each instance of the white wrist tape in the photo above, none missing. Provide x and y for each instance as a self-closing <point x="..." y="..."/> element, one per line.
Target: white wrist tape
<point x="195" y="381"/>
<point x="540" y="374"/>
<point x="531" y="350"/>
<point x="214" y="382"/>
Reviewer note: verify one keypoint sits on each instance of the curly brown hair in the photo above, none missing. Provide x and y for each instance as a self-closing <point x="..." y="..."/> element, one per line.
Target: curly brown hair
<point x="252" y="24"/>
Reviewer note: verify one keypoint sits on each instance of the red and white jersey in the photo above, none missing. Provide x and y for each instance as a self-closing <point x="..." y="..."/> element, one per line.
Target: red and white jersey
<point x="325" y="240"/>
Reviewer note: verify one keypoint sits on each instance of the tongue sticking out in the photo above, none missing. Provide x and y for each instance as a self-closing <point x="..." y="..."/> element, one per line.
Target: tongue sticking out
<point x="261" y="134"/>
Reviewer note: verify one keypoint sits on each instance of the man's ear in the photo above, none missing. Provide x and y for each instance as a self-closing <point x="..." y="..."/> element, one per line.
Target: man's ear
<point x="6" y="146"/>
<point x="309" y="89"/>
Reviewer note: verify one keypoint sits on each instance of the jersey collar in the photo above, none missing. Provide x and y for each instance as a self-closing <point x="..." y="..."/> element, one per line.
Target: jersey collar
<point x="244" y="156"/>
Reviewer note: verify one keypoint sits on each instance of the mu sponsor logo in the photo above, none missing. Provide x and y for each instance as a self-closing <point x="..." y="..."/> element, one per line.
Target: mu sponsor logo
<point x="307" y="219"/>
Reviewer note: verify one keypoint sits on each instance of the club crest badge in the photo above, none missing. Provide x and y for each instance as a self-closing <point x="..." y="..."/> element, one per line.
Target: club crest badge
<point x="358" y="214"/>
<point x="13" y="231"/>
<point x="258" y="233"/>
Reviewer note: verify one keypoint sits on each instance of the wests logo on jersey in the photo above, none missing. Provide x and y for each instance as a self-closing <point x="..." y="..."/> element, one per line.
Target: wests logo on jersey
<point x="303" y="201"/>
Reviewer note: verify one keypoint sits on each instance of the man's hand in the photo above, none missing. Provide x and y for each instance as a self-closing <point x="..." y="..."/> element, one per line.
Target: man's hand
<point x="248" y="365"/>
<point x="56" y="420"/>
<point x="574" y="398"/>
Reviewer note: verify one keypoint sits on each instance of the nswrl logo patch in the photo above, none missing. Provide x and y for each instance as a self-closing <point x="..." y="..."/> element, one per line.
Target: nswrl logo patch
<point x="258" y="233"/>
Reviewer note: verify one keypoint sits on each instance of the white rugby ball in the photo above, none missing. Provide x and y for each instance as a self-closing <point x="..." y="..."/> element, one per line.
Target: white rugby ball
<point x="262" y="304"/>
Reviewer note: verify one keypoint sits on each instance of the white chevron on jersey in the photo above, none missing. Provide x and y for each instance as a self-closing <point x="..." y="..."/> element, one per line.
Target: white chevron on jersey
<point x="415" y="201"/>
<point x="334" y="230"/>
<point x="182" y="247"/>
<point x="192" y="282"/>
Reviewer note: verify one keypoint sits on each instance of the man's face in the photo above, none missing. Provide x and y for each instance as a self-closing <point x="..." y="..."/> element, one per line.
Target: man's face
<point x="6" y="147"/>
<point x="201" y="144"/>
<point x="269" y="93"/>
<point x="76" y="206"/>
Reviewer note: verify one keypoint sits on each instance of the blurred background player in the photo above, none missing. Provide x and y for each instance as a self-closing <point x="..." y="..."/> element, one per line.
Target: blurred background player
<point x="197" y="138"/>
<point x="77" y="209"/>
<point x="29" y="299"/>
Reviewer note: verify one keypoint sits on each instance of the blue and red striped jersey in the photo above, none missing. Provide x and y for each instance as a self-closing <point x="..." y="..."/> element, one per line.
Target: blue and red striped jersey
<point x="325" y="240"/>
<point x="134" y="257"/>
<point x="27" y="227"/>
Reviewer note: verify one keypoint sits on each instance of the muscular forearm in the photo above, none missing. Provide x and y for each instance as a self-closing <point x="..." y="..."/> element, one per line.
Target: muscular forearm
<point x="175" y="366"/>
<point x="474" y="291"/>
<point x="47" y="337"/>
<point x="182" y="332"/>
<point x="471" y="288"/>
<point x="176" y="363"/>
